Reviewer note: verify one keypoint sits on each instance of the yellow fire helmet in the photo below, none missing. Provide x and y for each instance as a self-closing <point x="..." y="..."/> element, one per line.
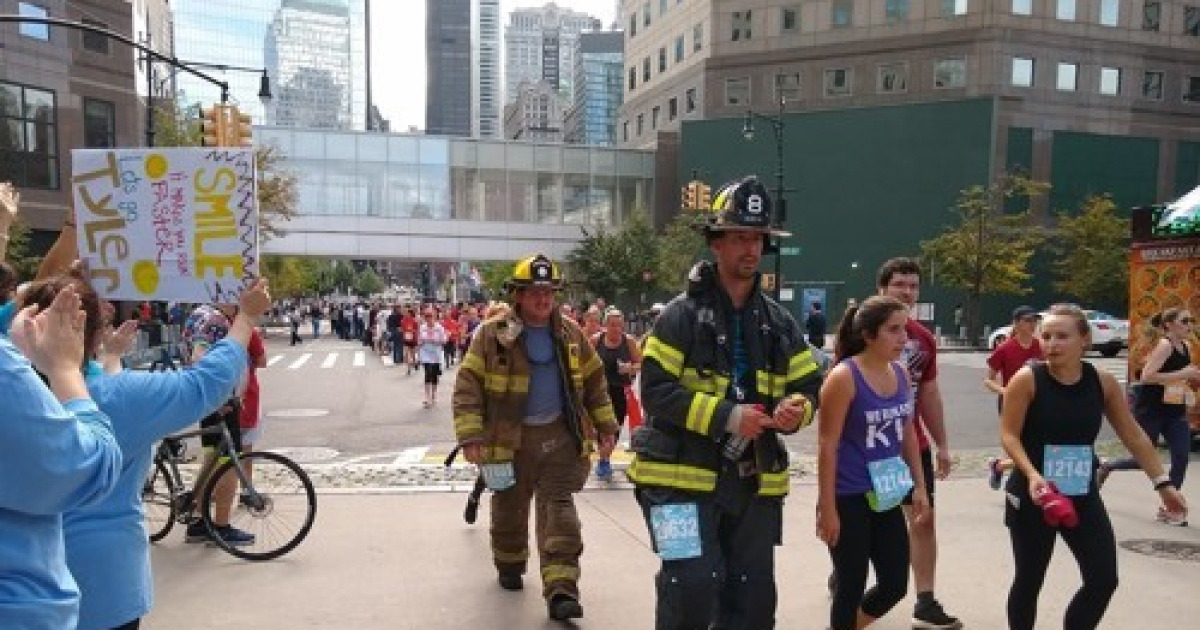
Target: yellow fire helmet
<point x="744" y="205"/>
<point x="535" y="271"/>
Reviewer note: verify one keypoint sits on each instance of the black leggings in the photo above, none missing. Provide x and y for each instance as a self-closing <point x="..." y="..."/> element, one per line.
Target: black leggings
<point x="617" y="396"/>
<point x="867" y="536"/>
<point x="1095" y="550"/>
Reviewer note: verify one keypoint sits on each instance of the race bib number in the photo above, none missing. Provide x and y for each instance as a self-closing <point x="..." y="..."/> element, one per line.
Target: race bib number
<point x="676" y="530"/>
<point x="499" y="476"/>
<point x="892" y="482"/>
<point x="1069" y="467"/>
<point x="1178" y="393"/>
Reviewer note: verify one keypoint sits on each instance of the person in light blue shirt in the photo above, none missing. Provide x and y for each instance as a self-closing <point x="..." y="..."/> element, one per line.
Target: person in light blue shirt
<point x="57" y="453"/>
<point x="107" y="547"/>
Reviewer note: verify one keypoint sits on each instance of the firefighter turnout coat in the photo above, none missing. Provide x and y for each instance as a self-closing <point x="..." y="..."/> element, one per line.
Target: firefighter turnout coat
<point x="686" y="373"/>
<point x="493" y="384"/>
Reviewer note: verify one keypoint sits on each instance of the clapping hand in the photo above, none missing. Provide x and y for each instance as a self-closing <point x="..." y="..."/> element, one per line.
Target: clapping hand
<point x="52" y="339"/>
<point x="10" y="201"/>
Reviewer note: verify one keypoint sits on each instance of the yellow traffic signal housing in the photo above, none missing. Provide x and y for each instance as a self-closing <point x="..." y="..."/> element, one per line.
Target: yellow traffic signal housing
<point x="705" y="196"/>
<point x="689" y="196"/>
<point x="768" y="282"/>
<point x="243" y="129"/>
<point x="212" y="127"/>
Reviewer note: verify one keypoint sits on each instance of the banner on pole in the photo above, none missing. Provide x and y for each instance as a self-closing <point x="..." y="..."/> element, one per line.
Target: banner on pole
<point x="172" y="224"/>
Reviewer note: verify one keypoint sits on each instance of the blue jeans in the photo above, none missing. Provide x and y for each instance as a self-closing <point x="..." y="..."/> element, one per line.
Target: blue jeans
<point x="397" y="346"/>
<point x="316" y="328"/>
<point x="1173" y="427"/>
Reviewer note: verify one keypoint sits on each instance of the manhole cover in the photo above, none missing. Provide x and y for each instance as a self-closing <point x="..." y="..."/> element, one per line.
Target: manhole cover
<point x="298" y="413"/>
<point x="307" y="454"/>
<point x="1169" y="549"/>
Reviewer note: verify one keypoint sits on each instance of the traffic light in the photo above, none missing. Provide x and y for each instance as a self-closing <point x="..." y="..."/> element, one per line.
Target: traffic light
<point x="689" y="196"/>
<point x="243" y="129"/>
<point x="705" y="196"/>
<point x="212" y="127"/>
<point x="768" y="282"/>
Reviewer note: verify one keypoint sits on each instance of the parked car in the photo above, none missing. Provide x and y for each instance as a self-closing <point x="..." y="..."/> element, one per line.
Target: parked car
<point x="1109" y="334"/>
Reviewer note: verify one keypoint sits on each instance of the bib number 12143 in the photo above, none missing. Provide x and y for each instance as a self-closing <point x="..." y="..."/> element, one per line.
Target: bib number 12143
<point x="1069" y="467"/>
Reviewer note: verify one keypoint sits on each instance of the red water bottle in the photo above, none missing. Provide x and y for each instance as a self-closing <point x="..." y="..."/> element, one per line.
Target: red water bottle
<point x="1057" y="508"/>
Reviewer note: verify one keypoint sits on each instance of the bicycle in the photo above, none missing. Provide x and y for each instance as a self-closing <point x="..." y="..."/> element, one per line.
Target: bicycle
<point x="279" y="496"/>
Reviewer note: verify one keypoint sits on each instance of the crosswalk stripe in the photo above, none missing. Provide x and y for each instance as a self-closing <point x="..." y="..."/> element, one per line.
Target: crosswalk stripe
<point x="414" y="455"/>
<point x="330" y="359"/>
<point x="387" y="360"/>
<point x="275" y="359"/>
<point x="360" y="358"/>
<point x="301" y="361"/>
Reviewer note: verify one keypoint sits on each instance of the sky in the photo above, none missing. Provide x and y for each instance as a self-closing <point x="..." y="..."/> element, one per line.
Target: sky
<point x="398" y="77"/>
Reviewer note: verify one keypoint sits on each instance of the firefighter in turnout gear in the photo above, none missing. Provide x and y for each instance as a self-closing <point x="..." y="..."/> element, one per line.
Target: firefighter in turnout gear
<point x="726" y="370"/>
<point x="530" y="406"/>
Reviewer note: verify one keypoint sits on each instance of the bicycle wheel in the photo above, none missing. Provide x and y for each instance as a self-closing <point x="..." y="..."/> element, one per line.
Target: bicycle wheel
<point x="158" y="502"/>
<point x="278" y="511"/>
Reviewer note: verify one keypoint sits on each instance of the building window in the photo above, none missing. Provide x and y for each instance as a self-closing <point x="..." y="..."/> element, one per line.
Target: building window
<point x="1022" y="72"/>
<point x="787" y="87"/>
<point x="1152" y="16"/>
<point x="893" y="78"/>
<point x="1065" y="10"/>
<point x="689" y="99"/>
<point x="1022" y="7"/>
<point x="1067" y="76"/>
<point x="641" y="124"/>
<point x="633" y="24"/>
<point x="662" y="60"/>
<point x="1110" y="12"/>
<point x="99" y="124"/>
<point x="741" y="25"/>
<point x="94" y="42"/>
<point x="662" y="6"/>
<point x="625" y="131"/>
<point x="789" y="20"/>
<point x="654" y="118"/>
<point x="1152" y="85"/>
<point x="842" y="15"/>
<point x="1191" y="21"/>
<point x="632" y="78"/>
<point x="838" y="82"/>
<point x="28" y="137"/>
<point x="1191" y="90"/>
<point x="673" y="108"/>
<point x="1110" y="81"/>
<point x="737" y="91"/>
<point x="646" y="70"/>
<point x="950" y="73"/>
<point x="645" y="14"/>
<point x="36" y="31"/>
<point x="679" y="49"/>
<point x="895" y="11"/>
<point x="697" y="37"/>
<point x="950" y="8"/>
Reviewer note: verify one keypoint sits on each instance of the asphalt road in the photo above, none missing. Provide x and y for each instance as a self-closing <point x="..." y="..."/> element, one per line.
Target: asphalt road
<point x="334" y="400"/>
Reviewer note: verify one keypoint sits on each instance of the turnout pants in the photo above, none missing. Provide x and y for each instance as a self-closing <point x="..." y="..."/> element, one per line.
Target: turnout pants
<point x="549" y="470"/>
<point x="731" y="585"/>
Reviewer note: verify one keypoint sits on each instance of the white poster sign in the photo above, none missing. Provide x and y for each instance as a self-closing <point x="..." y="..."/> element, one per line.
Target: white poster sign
<point x="171" y="224"/>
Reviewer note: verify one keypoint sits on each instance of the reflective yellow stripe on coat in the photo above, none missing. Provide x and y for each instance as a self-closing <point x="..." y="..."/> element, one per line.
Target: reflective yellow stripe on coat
<point x="666" y="475"/>
<point x="669" y="358"/>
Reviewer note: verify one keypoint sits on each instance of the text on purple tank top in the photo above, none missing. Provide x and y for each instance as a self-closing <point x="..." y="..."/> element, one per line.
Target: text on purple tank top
<point x="873" y="430"/>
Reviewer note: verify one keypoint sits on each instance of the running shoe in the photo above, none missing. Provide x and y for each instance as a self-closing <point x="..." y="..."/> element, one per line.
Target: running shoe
<point x="196" y="532"/>
<point x="1171" y="518"/>
<point x="234" y="536"/>
<point x="604" y="470"/>
<point x="995" y="473"/>
<point x="928" y="615"/>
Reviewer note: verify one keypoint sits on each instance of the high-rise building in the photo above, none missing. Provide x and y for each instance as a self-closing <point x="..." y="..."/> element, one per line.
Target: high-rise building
<point x="448" y="56"/>
<point x="313" y="50"/>
<point x="487" y="100"/>
<point x="599" y="71"/>
<point x="540" y="44"/>
<point x="310" y="56"/>
<point x="537" y="114"/>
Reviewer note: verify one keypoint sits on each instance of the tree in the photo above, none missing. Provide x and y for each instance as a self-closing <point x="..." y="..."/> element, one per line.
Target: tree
<point x="679" y="247"/>
<point x="367" y="282"/>
<point x="19" y="256"/>
<point x="290" y="276"/>
<point x="179" y="127"/>
<point x="613" y="265"/>
<point x="1093" y="250"/>
<point x="988" y="251"/>
<point x="494" y="275"/>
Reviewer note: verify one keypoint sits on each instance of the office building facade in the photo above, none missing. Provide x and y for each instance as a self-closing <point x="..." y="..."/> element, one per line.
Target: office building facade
<point x="596" y="104"/>
<point x="540" y="44"/>
<point x="536" y="116"/>
<point x="487" y="99"/>
<point x="448" y="58"/>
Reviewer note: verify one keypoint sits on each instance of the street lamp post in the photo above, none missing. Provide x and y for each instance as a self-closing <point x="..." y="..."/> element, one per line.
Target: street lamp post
<point x="777" y="125"/>
<point x="264" y="86"/>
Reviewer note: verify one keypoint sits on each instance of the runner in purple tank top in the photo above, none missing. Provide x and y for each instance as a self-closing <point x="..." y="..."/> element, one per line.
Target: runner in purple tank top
<point x="868" y="462"/>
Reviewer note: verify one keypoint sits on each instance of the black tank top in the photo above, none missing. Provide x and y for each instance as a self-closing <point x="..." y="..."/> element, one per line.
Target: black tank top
<point x="1062" y="415"/>
<point x="610" y="356"/>
<point x="1151" y="396"/>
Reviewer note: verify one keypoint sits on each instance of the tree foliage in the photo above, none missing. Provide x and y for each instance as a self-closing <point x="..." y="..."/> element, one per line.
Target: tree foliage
<point x="987" y="250"/>
<point x="179" y="127"/>
<point x="1093" y="253"/>
<point x="367" y="282"/>
<point x="18" y="254"/>
<point x="290" y="276"/>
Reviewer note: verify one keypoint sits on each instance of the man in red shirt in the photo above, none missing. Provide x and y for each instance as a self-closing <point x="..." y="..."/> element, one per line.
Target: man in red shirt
<point x="408" y="330"/>
<point x="1020" y="349"/>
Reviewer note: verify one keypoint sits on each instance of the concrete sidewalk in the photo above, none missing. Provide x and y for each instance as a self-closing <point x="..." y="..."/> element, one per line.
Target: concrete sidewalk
<point x="407" y="560"/>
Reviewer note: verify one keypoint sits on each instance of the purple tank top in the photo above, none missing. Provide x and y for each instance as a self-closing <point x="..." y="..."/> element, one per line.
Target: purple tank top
<point x="872" y="432"/>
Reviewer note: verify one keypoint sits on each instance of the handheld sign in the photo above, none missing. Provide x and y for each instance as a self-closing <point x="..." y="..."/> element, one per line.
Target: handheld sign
<point x="173" y="224"/>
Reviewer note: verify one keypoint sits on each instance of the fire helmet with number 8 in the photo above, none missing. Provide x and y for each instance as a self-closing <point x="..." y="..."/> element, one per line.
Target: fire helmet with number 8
<point x="743" y="205"/>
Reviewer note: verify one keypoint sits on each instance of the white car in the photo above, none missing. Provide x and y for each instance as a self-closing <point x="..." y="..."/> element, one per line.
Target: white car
<point x="1109" y="334"/>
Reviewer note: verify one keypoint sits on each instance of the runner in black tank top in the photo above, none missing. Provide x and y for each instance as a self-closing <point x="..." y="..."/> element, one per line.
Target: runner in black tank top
<point x="625" y="355"/>
<point x="1051" y="417"/>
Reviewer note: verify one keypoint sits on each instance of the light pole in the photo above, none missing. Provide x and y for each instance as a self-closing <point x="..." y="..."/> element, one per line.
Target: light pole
<point x="777" y="125"/>
<point x="264" y="86"/>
